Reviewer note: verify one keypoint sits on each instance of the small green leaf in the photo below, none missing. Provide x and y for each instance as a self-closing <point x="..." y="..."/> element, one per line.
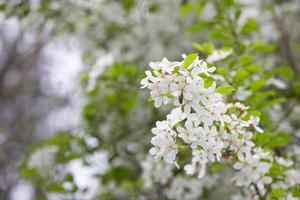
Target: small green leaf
<point x="29" y="173"/>
<point x="84" y="77"/>
<point x="222" y="71"/>
<point x="278" y="192"/>
<point x="254" y="68"/>
<point x="225" y="89"/>
<point x="206" y="47"/>
<point x="261" y="46"/>
<point x="281" y="139"/>
<point x="186" y="8"/>
<point x="118" y="174"/>
<point x="270" y="140"/>
<point x="285" y="72"/>
<point x="2" y="7"/>
<point x="276" y="170"/>
<point x="153" y="8"/>
<point x="257" y="84"/>
<point x="189" y="60"/>
<point x="240" y="76"/>
<point x="201" y="25"/>
<point x="246" y="59"/>
<point x="296" y="191"/>
<point x="254" y="113"/>
<point x="56" y="188"/>
<point x="250" y="26"/>
<point x="262" y="139"/>
<point x="216" y="167"/>
<point x="208" y="80"/>
<point x="128" y="4"/>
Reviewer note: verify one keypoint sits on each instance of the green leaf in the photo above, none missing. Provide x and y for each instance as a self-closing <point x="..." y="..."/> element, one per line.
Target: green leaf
<point x="285" y="72"/>
<point x="189" y="60"/>
<point x="257" y="84"/>
<point x="254" y="68"/>
<point x="295" y="191"/>
<point x="127" y="185"/>
<point x="250" y="26"/>
<point x="262" y="139"/>
<point x="276" y="170"/>
<point x="206" y="47"/>
<point x="2" y="6"/>
<point x="240" y="76"/>
<point x="281" y="139"/>
<point x="128" y="4"/>
<point x="153" y="8"/>
<point x="185" y="9"/>
<point x="270" y="140"/>
<point x="208" y="80"/>
<point x="56" y="188"/>
<point x="84" y="77"/>
<point x="216" y="167"/>
<point x="199" y="7"/>
<point x="278" y="192"/>
<point x="254" y="113"/>
<point x="225" y="89"/>
<point x="246" y="59"/>
<point x="118" y="174"/>
<point x="222" y="71"/>
<point x="29" y="172"/>
<point x="261" y="46"/>
<point x="201" y="25"/>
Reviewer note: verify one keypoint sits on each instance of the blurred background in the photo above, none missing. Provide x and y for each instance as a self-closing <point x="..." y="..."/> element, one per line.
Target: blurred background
<point x="72" y="68"/>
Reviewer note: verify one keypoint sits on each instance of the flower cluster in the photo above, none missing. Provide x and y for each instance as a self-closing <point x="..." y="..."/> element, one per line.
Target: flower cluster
<point x="203" y="122"/>
<point x="156" y="172"/>
<point x="190" y="188"/>
<point x="44" y="160"/>
<point x="159" y="174"/>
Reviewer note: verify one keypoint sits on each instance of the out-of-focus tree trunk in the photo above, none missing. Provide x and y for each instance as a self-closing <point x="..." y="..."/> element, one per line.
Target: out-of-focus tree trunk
<point x="20" y="106"/>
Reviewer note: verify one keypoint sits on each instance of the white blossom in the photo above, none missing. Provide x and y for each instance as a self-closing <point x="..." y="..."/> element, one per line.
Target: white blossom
<point x="201" y="121"/>
<point x="44" y="159"/>
<point x="218" y="55"/>
<point x="155" y="171"/>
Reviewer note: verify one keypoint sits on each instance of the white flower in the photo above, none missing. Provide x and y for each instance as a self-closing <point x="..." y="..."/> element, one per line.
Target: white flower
<point x="241" y="106"/>
<point x="284" y="162"/>
<point x="149" y="80"/>
<point x="218" y="55"/>
<point x="189" y="133"/>
<point x="160" y="89"/>
<point x="201" y="120"/>
<point x="252" y="170"/>
<point x="164" y="142"/>
<point x="176" y="116"/>
<point x="292" y="177"/>
<point x="101" y="64"/>
<point x="164" y="146"/>
<point x="254" y="121"/>
<point x="165" y="65"/>
<point x="185" y="188"/>
<point x="262" y="181"/>
<point x="277" y="83"/>
<point x="204" y="68"/>
<point x="155" y="171"/>
<point x="44" y="159"/>
<point x="177" y="85"/>
<point x="242" y="94"/>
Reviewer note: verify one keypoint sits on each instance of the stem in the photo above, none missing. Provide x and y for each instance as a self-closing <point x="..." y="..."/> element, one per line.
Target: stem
<point x="257" y="192"/>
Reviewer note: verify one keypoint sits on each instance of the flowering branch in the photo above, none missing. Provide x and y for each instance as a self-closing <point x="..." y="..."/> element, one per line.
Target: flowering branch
<point x="202" y="121"/>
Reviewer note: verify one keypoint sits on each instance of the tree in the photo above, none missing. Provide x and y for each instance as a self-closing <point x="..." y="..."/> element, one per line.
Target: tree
<point x="243" y="53"/>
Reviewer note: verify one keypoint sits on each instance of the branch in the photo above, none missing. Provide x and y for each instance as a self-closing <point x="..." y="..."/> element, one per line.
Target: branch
<point x="257" y="192"/>
<point x="285" y="41"/>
